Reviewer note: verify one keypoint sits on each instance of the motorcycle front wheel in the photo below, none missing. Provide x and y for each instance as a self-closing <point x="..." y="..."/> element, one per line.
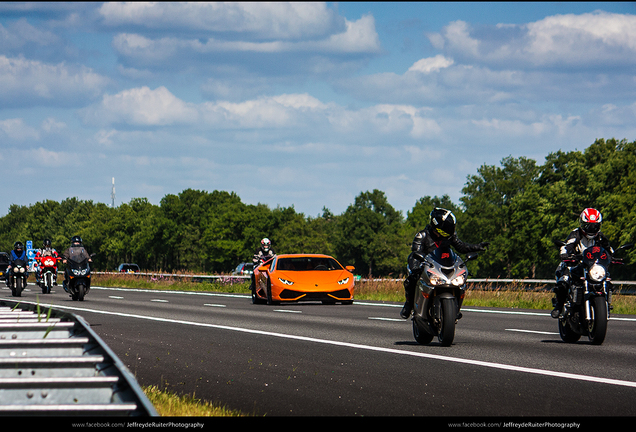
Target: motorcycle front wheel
<point x="567" y="334"/>
<point x="47" y="283"/>
<point x="78" y="292"/>
<point x="597" y="327"/>
<point x="17" y="292"/>
<point x="447" y="322"/>
<point x="420" y="334"/>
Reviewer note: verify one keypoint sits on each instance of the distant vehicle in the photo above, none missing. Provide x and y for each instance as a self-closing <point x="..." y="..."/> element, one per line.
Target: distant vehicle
<point x="244" y="269"/>
<point x="128" y="268"/>
<point x="4" y="263"/>
<point x="303" y="277"/>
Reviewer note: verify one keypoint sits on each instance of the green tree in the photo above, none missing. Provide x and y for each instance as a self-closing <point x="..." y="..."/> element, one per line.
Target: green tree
<point x="488" y="198"/>
<point x="371" y="235"/>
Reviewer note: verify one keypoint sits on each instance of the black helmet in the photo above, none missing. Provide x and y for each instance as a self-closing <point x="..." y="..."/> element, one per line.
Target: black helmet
<point x="46" y="243"/>
<point x="442" y="222"/>
<point x="76" y="241"/>
<point x="18" y="246"/>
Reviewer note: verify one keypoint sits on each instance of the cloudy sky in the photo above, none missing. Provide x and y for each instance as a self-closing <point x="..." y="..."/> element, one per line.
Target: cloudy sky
<point x="302" y="105"/>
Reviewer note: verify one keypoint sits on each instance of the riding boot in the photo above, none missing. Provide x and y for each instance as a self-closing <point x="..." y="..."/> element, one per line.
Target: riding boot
<point x="561" y="292"/>
<point x="409" y="293"/>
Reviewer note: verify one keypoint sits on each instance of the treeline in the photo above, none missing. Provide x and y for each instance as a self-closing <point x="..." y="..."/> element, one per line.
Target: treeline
<point x="520" y="207"/>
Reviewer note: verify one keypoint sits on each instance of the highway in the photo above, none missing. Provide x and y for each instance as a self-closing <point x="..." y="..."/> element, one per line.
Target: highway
<point x="309" y="359"/>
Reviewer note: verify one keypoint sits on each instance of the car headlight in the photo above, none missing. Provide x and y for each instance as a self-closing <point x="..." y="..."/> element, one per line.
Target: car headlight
<point x="344" y="281"/>
<point x="597" y="273"/>
<point x="285" y="281"/>
<point x="459" y="280"/>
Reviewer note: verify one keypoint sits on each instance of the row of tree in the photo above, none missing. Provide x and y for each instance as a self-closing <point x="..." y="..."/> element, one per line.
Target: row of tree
<point x="520" y="207"/>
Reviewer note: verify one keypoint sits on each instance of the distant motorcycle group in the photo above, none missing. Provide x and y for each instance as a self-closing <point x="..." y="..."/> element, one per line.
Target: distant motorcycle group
<point x="436" y="284"/>
<point x="77" y="273"/>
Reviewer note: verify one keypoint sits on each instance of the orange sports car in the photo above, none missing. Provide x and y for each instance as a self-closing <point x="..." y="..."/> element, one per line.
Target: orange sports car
<point x="302" y="277"/>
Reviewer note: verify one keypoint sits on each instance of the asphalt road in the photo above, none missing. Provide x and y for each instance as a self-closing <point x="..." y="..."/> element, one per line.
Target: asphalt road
<point x="310" y="359"/>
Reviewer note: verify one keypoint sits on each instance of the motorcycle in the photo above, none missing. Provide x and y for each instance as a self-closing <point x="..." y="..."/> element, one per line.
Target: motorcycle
<point x="587" y="308"/>
<point x="48" y="272"/>
<point x="78" y="278"/>
<point x="18" y="277"/>
<point x="439" y="295"/>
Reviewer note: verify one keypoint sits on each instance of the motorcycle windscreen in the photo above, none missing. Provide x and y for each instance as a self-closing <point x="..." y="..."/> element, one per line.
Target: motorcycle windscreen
<point x="596" y="254"/>
<point x="19" y="262"/>
<point x="77" y="265"/>
<point x="444" y="256"/>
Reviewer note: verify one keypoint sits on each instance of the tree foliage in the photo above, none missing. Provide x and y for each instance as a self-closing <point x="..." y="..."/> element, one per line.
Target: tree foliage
<point x="520" y="207"/>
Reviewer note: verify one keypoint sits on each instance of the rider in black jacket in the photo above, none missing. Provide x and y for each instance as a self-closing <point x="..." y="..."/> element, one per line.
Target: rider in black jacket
<point x="440" y="230"/>
<point x="586" y="235"/>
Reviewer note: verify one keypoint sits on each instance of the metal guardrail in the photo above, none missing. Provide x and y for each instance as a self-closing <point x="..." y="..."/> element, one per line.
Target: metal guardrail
<point x="53" y="364"/>
<point x="626" y="287"/>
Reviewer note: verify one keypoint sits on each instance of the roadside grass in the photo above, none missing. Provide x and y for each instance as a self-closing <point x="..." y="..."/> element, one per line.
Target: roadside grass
<point x="387" y="290"/>
<point x="169" y="404"/>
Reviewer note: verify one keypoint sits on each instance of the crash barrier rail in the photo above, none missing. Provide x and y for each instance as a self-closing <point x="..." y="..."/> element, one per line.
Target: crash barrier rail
<point x="624" y="287"/>
<point x="53" y="364"/>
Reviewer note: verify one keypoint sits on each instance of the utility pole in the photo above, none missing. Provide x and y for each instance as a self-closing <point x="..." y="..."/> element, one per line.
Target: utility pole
<point x="112" y="194"/>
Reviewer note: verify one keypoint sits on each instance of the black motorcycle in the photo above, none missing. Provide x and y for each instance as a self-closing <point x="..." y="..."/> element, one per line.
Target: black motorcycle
<point x="587" y="308"/>
<point x="78" y="278"/>
<point x="439" y="295"/>
<point x="18" y="275"/>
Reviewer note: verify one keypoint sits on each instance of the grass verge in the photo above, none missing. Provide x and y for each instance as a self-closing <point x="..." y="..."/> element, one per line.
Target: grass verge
<point x="169" y="404"/>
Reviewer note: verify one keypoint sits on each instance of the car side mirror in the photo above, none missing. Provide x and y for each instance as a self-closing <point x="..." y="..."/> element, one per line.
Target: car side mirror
<point x="350" y="268"/>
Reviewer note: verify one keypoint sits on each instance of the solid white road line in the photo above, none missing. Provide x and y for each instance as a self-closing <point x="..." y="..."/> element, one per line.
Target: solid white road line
<point x="532" y="331"/>
<point x="598" y="380"/>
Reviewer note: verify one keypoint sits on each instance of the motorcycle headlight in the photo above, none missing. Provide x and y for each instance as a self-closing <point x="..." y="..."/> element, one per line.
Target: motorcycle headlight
<point x="76" y="272"/>
<point x="459" y="280"/>
<point x="285" y="281"/>
<point x="597" y="273"/>
<point x="343" y="281"/>
<point x="434" y="279"/>
<point x="21" y="269"/>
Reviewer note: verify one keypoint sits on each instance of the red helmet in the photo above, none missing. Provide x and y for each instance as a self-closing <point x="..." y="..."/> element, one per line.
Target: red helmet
<point x="590" y="222"/>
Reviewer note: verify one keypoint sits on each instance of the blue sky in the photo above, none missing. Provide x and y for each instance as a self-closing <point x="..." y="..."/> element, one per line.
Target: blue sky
<point x="302" y="105"/>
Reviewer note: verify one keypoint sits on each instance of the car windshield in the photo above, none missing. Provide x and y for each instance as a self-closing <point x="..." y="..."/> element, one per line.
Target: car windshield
<point x="308" y="263"/>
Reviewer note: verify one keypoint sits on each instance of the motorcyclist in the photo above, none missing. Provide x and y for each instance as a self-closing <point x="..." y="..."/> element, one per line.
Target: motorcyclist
<point x="77" y="253"/>
<point x="45" y="251"/>
<point x="439" y="232"/>
<point x="263" y="253"/>
<point x="18" y="253"/>
<point x="588" y="234"/>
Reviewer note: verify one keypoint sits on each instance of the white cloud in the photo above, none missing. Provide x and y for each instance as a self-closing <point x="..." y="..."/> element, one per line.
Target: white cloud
<point x="27" y="82"/>
<point x="359" y="37"/>
<point x="431" y="64"/>
<point x="141" y="106"/>
<point x="583" y="40"/>
<point x="50" y="125"/>
<point x="278" y="20"/>
<point x="21" y="33"/>
<point x="16" y="130"/>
